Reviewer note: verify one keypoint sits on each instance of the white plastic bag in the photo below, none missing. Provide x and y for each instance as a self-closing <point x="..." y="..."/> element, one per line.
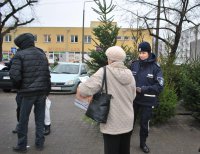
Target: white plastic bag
<point x="47" y="119"/>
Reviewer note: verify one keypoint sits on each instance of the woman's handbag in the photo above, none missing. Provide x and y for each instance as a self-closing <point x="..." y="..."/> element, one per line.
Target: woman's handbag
<point x="99" y="107"/>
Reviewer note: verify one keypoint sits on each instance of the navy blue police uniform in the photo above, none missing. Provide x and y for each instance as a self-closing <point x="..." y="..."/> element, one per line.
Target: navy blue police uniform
<point x="149" y="78"/>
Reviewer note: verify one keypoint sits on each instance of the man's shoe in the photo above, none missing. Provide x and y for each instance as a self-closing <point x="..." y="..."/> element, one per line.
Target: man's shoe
<point x="47" y="129"/>
<point x="20" y="150"/>
<point x="144" y="148"/>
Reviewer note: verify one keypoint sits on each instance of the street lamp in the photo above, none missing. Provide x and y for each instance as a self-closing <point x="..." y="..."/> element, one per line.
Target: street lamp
<point x="83" y="29"/>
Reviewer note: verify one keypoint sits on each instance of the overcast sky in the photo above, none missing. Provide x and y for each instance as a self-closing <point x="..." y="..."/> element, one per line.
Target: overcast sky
<point x="69" y="13"/>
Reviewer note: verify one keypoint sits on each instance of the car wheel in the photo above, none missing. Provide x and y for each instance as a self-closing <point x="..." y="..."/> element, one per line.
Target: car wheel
<point x="6" y="90"/>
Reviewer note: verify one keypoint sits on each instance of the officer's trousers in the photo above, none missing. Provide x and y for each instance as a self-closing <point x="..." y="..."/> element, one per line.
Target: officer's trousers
<point x="145" y="116"/>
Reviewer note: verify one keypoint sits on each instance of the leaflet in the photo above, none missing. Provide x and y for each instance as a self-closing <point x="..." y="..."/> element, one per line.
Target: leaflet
<point x="80" y="104"/>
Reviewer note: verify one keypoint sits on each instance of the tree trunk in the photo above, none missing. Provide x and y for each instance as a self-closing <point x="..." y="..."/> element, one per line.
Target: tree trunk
<point x="157" y="27"/>
<point x="1" y="43"/>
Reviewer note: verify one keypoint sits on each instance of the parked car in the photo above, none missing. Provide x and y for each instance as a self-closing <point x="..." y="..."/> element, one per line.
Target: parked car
<point x="66" y="76"/>
<point x="5" y="82"/>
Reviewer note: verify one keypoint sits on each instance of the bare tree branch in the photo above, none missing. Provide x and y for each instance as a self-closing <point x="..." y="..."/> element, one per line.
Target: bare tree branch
<point x="192" y="8"/>
<point x="3" y="3"/>
<point x="15" y="26"/>
<point x="14" y="10"/>
<point x="11" y="14"/>
<point x="174" y="14"/>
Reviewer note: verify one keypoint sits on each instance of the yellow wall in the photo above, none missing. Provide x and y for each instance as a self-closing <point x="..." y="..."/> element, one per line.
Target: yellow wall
<point x="127" y="32"/>
<point x="67" y="46"/>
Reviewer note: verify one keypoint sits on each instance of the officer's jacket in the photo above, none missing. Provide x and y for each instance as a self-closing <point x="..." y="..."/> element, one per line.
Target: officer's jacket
<point x="149" y="78"/>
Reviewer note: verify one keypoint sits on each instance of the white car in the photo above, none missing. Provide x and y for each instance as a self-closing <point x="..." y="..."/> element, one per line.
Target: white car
<point x="66" y="76"/>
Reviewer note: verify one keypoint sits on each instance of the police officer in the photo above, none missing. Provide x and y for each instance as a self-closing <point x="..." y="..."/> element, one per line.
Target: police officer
<point x="149" y="83"/>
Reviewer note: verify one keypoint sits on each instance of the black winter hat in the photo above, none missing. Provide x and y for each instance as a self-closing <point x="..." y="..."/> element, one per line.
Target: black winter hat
<point x="24" y="40"/>
<point x="144" y="46"/>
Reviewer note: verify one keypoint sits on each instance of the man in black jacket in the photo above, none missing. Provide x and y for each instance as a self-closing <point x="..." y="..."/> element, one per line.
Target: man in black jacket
<point x="30" y="75"/>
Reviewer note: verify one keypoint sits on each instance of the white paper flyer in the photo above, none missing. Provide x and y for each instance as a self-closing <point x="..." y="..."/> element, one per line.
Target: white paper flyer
<point x="82" y="105"/>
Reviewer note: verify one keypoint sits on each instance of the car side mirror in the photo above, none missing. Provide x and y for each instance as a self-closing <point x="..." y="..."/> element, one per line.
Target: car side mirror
<point x="83" y="72"/>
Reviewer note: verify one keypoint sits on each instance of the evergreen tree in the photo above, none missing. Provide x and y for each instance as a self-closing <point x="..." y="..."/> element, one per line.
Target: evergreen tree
<point x="105" y="34"/>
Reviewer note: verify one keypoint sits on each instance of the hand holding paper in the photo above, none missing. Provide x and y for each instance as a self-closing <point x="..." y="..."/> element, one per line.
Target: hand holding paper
<point x="138" y="89"/>
<point x="82" y="102"/>
<point x="83" y="98"/>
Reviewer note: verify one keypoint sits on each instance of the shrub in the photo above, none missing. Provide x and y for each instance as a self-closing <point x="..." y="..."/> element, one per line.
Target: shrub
<point x="172" y="75"/>
<point x="167" y="107"/>
<point x="191" y="87"/>
<point x="168" y="98"/>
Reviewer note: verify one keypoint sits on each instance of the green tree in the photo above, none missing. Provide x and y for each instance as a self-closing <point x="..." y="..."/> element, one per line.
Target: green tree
<point x="190" y="88"/>
<point x="105" y="34"/>
<point x="168" y="98"/>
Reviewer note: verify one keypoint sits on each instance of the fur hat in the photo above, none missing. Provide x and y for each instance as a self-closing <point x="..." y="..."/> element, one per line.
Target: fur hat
<point x="115" y="53"/>
<point x="144" y="46"/>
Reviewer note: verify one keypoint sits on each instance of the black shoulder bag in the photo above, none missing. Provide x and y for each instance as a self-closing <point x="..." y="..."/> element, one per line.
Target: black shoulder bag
<point x="98" y="108"/>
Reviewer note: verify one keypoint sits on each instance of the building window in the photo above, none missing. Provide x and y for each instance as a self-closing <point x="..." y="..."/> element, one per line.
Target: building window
<point x="126" y="37"/>
<point x="134" y="38"/>
<point x="60" y="38"/>
<point x="8" y="38"/>
<point x="87" y="39"/>
<point x="74" y="38"/>
<point x="119" y="38"/>
<point x="35" y="38"/>
<point x="47" y="38"/>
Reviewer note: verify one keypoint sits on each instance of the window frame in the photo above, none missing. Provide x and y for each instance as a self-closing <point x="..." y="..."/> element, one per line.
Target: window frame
<point x="74" y="39"/>
<point x="119" y="38"/>
<point x="8" y="38"/>
<point x="59" y="38"/>
<point x="47" y="38"/>
<point x="126" y="37"/>
<point x="87" y="39"/>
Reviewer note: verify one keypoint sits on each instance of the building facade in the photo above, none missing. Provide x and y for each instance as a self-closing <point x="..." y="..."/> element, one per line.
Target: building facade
<point x="188" y="47"/>
<point x="65" y="43"/>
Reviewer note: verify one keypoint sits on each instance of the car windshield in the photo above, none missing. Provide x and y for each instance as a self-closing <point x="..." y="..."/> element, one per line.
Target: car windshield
<point x="66" y="69"/>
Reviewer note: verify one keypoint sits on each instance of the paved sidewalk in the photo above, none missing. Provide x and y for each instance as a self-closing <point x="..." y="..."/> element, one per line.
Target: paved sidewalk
<point x="72" y="135"/>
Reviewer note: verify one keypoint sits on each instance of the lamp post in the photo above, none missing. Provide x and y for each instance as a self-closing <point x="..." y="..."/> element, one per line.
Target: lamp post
<point x="157" y="27"/>
<point x="83" y="29"/>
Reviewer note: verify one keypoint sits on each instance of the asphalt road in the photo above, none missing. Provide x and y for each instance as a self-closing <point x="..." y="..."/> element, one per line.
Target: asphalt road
<point x="71" y="134"/>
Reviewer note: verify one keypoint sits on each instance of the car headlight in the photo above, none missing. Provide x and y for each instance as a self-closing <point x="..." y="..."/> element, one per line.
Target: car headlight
<point x="70" y="82"/>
